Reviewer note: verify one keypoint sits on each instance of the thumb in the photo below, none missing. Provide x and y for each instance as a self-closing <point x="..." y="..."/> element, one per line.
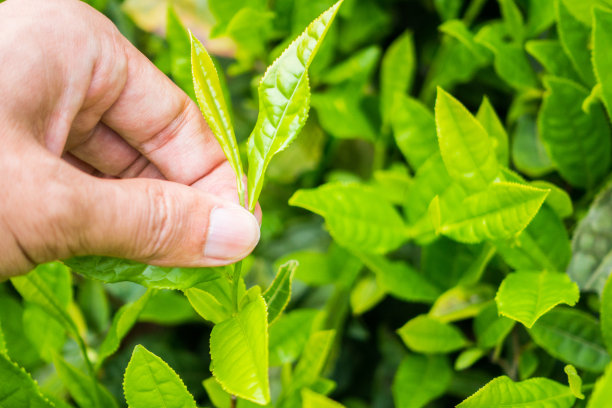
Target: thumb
<point x="165" y="223"/>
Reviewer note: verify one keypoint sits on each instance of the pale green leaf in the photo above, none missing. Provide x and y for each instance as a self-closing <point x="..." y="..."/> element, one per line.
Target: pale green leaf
<point x="83" y="389"/>
<point x="313" y="359"/>
<point x="151" y="383"/>
<point x="602" y="62"/>
<point x="540" y="16"/>
<point x="414" y="129"/>
<point x="279" y="292"/>
<point x="466" y="148"/>
<point x="123" y="321"/>
<point x="574" y="380"/>
<point x="289" y="335"/>
<point x="571" y="336"/>
<point x="591" y="260"/>
<point x="458" y="30"/>
<point x="490" y="328"/>
<point x="543" y="245"/>
<point x="468" y="358"/>
<point x="500" y="212"/>
<point x="208" y="306"/>
<point x="357" y="69"/>
<point x="461" y="302"/>
<point x="513" y="19"/>
<point x="488" y="118"/>
<point x="355" y="216"/>
<point x="396" y="74"/>
<point x="602" y="394"/>
<point x="583" y="10"/>
<point x="558" y="199"/>
<point x="575" y="37"/>
<point x="311" y="399"/>
<point x="17" y="343"/>
<point x="168" y="307"/>
<point x="578" y="143"/>
<point x="399" y="279"/>
<point x="18" y="389"/>
<point x="393" y="183"/>
<point x="111" y="270"/>
<point x="44" y="332"/>
<point x="526" y="296"/>
<point x="551" y="55"/>
<point x="535" y="392"/>
<point x="284" y="96"/>
<point x="606" y="315"/>
<point x="212" y="103"/>
<point x="420" y="379"/>
<point x="425" y="334"/>
<point x="366" y="294"/>
<point x="239" y="352"/>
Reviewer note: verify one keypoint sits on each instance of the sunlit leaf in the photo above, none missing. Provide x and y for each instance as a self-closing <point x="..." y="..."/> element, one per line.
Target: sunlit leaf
<point x="278" y="293"/>
<point x="396" y="74"/>
<point x="425" y="334"/>
<point x="18" y="388"/>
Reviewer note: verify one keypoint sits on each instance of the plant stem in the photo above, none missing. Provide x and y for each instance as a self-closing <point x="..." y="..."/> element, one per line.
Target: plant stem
<point x="473" y="11"/>
<point x="90" y="367"/>
<point x="236" y="284"/>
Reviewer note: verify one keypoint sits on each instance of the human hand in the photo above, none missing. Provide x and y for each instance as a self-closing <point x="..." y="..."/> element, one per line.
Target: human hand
<point x="142" y="176"/>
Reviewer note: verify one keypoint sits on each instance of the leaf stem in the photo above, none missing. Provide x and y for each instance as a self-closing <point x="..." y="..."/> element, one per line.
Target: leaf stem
<point x="236" y="284"/>
<point x="90" y="367"/>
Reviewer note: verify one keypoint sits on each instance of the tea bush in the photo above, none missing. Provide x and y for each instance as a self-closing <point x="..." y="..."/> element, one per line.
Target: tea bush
<point x="437" y="225"/>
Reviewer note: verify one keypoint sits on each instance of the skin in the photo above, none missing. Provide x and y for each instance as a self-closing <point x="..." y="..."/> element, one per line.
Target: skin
<point x="101" y="153"/>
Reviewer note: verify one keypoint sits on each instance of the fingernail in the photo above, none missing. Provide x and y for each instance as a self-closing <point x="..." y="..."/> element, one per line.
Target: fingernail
<point x="233" y="232"/>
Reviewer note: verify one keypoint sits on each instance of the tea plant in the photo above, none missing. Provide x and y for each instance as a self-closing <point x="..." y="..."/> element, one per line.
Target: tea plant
<point x="462" y="178"/>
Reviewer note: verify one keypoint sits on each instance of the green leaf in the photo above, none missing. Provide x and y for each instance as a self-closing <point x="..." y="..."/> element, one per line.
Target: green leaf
<point x="500" y="212"/>
<point x="551" y="55"/>
<point x="150" y="382"/>
<point x="575" y="38"/>
<point x="122" y="323"/>
<point x="46" y="334"/>
<point x="490" y="328"/>
<point x="393" y="183"/>
<point x="529" y="154"/>
<point x="583" y="10"/>
<point x="313" y="359"/>
<point x="366" y="294"/>
<point x="355" y="216"/>
<point x="602" y="41"/>
<point x="526" y="296"/>
<point x="606" y="315"/>
<point x="558" y="199"/>
<point x="571" y="336"/>
<point x="2" y="341"/>
<point x="528" y="364"/>
<point x="494" y="127"/>
<point x="49" y="286"/>
<point x="578" y="143"/>
<point x="420" y="379"/>
<point x="425" y="334"/>
<point x="458" y="30"/>
<point x="289" y="335"/>
<point x="513" y="19"/>
<point x="83" y="389"/>
<point x="357" y="69"/>
<point x="414" y="128"/>
<point x="93" y="302"/>
<point x="468" y="358"/>
<point x="311" y="399"/>
<point x="540" y="16"/>
<point x="461" y="302"/>
<point x="543" y="245"/>
<point x="396" y="74"/>
<point x="284" y="96"/>
<point x="400" y="280"/>
<point x="592" y="245"/>
<point x="168" y="307"/>
<point x="18" y="388"/>
<point x="239" y="352"/>
<point x="18" y="346"/>
<point x="574" y="380"/>
<point x="208" y="306"/>
<point x="466" y="148"/>
<point x="535" y="392"/>
<point x="212" y="103"/>
<point x="111" y="270"/>
<point x="602" y="394"/>
<point x="279" y="292"/>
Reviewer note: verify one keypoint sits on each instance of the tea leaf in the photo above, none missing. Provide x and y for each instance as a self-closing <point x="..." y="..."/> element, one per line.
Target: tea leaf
<point x="575" y="382"/>
<point x="87" y="392"/>
<point x="466" y="148"/>
<point x="425" y="334"/>
<point x="18" y="388"/>
<point x="123" y="321"/>
<point x="111" y="270"/>
<point x="491" y="328"/>
<point x="552" y="56"/>
<point x="315" y="355"/>
<point x="212" y="104"/>
<point x="467" y="358"/>
<point x="396" y="74"/>
<point x="606" y="315"/>
<point x="526" y="296"/>
<point x="502" y="391"/>
<point x="602" y="393"/>
<point x="602" y="63"/>
<point x="575" y="38"/>
<point x="46" y="334"/>
<point x="284" y="96"/>
<point x="239" y="352"/>
<point x="279" y="292"/>
<point x="312" y="399"/>
<point x="289" y="335"/>
<point x="150" y="382"/>
<point x="490" y="121"/>
<point x="571" y="336"/>
<point x="365" y="294"/>
<point x="420" y="379"/>
<point x="355" y="216"/>
<point x="500" y="212"/>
